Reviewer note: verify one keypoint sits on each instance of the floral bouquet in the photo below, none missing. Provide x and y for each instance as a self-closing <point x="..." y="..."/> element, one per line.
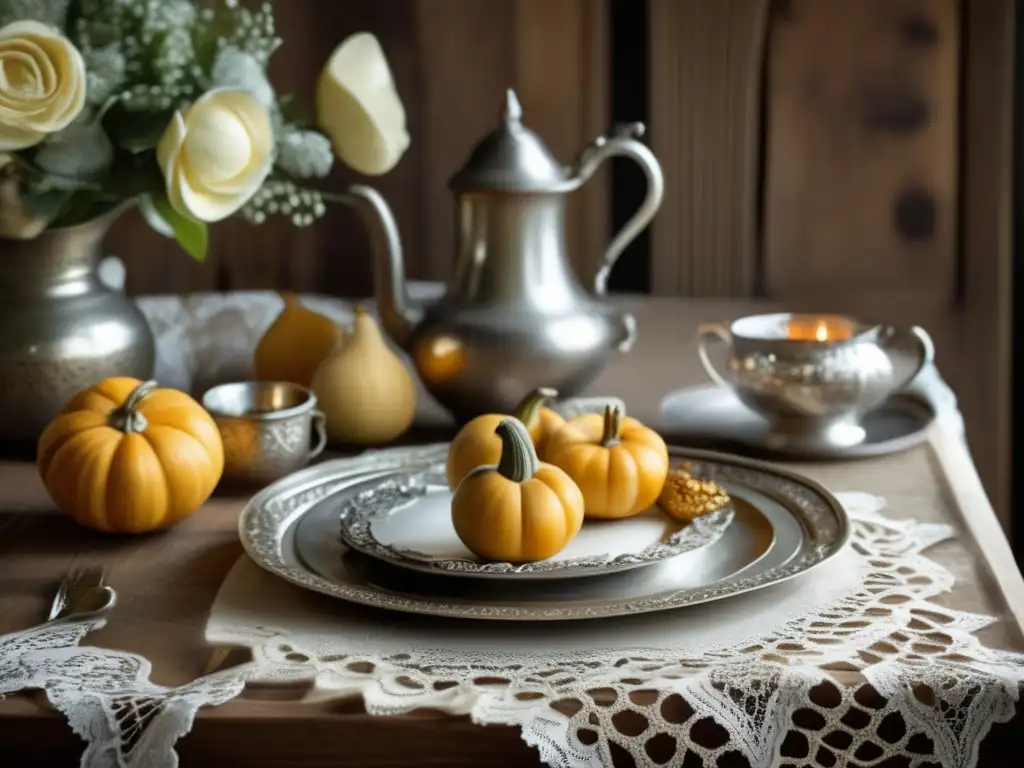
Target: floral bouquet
<point x="166" y="103"/>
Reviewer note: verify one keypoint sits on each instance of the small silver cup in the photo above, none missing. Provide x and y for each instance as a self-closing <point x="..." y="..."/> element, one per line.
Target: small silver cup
<point x="814" y="388"/>
<point x="267" y="429"/>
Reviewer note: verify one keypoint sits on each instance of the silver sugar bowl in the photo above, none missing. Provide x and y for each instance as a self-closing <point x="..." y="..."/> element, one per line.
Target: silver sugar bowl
<point x="814" y="377"/>
<point x="267" y="428"/>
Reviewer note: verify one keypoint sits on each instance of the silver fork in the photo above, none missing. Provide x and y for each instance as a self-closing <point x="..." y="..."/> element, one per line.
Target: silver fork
<point x="81" y="593"/>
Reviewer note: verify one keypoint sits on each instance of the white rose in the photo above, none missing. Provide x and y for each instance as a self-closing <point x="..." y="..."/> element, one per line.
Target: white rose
<point x="216" y="154"/>
<point x="358" y="106"/>
<point x="43" y="84"/>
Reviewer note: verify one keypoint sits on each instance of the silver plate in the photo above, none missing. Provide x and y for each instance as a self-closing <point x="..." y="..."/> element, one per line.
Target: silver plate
<point x="785" y="525"/>
<point x="406" y="521"/>
<point x="714" y="418"/>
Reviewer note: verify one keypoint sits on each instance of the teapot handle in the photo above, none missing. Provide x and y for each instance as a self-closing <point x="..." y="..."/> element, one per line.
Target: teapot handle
<point x="925" y="349"/>
<point x="622" y="140"/>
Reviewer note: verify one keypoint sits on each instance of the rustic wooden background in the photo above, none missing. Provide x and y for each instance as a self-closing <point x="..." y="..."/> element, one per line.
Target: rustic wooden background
<point x="845" y="154"/>
<point x="808" y="145"/>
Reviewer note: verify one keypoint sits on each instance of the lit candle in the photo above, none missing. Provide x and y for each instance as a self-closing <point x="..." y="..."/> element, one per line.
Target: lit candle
<point x="818" y="328"/>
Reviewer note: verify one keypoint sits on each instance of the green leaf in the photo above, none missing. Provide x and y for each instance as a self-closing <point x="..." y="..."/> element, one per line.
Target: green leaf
<point x="153" y="217"/>
<point x="47" y="181"/>
<point x="294" y="111"/>
<point x="81" y="206"/>
<point x="190" y="234"/>
<point x="46" y="204"/>
<point x="134" y="175"/>
<point x="136" y="131"/>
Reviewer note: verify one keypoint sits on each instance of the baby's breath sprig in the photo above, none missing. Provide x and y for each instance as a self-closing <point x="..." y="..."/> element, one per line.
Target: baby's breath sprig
<point x="280" y="196"/>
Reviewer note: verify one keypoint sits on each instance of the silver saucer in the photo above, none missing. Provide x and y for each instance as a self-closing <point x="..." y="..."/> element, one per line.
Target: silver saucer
<point x="713" y="417"/>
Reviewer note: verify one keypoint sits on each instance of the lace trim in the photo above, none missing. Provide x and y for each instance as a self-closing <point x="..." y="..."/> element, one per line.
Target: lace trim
<point x="930" y="690"/>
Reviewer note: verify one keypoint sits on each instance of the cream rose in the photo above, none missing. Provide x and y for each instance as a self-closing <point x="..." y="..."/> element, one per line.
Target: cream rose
<point x="358" y="106"/>
<point x="216" y="154"/>
<point x="42" y="83"/>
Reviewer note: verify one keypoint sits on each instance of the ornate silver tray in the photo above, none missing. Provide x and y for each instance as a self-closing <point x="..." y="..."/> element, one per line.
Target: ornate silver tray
<point x="406" y="521"/>
<point x="784" y="525"/>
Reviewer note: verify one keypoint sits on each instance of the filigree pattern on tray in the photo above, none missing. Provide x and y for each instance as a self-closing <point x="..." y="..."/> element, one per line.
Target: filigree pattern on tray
<point x="390" y="495"/>
<point x="266" y="520"/>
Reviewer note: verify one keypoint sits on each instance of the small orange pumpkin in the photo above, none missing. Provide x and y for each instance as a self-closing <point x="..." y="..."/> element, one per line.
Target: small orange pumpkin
<point x="520" y="510"/>
<point x="126" y="457"/>
<point x="619" y="464"/>
<point x="477" y="442"/>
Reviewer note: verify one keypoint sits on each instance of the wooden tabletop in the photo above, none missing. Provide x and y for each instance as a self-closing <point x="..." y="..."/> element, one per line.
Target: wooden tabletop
<point x="167" y="582"/>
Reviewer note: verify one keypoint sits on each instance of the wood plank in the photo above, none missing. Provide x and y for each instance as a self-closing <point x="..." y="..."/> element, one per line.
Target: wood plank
<point x="466" y="57"/>
<point x="987" y="250"/>
<point x="705" y="79"/>
<point x="561" y="76"/>
<point x="963" y="484"/>
<point x="861" y="148"/>
<point x="555" y="55"/>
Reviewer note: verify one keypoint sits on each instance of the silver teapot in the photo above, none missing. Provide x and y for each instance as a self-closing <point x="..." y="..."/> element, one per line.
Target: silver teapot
<point x="514" y="317"/>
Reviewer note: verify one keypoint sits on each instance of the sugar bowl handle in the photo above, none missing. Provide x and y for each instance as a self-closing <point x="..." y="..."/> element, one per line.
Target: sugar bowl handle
<point x="320" y="427"/>
<point x="925" y="350"/>
<point x="708" y="332"/>
<point x="622" y="140"/>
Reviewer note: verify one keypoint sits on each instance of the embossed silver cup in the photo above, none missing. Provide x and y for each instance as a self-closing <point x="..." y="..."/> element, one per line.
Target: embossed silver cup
<point x="267" y="429"/>
<point x="813" y="376"/>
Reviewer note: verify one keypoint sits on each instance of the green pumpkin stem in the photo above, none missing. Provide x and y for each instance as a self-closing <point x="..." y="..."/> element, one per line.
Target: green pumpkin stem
<point x="127" y="418"/>
<point x="518" y="461"/>
<point x="612" y="422"/>
<point x="529" y="407"/>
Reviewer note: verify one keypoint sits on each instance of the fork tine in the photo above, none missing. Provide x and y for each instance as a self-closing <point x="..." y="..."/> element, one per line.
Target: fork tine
<point x="60" y="598"/>
<point x="77" y="581"/>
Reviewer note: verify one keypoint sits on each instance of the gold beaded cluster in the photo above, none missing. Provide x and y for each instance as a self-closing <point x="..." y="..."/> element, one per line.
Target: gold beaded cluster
<point x="685" y="497"/>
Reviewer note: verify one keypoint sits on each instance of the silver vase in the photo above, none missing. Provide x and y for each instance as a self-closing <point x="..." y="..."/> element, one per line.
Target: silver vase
<point x="61" y="328"/>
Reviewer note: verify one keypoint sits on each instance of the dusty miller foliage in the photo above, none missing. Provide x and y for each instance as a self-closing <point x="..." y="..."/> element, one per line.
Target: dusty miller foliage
<point x="144" y="60"/>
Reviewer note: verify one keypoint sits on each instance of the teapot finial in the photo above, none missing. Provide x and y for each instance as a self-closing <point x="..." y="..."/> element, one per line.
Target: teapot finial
<point x="512" y="111"/>
<point x="511" y="158"/>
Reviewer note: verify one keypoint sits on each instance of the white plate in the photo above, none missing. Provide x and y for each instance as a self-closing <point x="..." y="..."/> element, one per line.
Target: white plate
<point x="407" y="522"/>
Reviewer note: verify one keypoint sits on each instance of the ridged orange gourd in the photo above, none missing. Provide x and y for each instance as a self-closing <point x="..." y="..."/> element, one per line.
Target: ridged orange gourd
<point x="619" y="464"/>
<point x="519" y="510"/>
<point x="478" y="443"/>
<point x="127" y="457"/>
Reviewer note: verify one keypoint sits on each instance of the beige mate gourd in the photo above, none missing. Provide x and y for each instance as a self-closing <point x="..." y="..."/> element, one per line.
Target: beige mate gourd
<point x="365" y="390"/>
<point x="295" y="344"/>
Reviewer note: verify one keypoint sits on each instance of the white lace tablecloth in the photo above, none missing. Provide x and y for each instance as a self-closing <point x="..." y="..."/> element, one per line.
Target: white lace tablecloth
<point x="757" y="671"/>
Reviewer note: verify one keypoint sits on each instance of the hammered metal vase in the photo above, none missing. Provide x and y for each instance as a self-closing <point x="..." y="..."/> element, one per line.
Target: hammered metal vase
<point x="61" y="328"/>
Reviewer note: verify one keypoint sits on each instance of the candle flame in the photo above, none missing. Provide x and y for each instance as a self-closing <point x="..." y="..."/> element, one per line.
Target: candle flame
<point x="821" y="332"/>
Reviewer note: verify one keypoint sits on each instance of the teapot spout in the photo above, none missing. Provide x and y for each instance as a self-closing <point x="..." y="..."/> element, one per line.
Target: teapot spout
<point x="399" y="315"/>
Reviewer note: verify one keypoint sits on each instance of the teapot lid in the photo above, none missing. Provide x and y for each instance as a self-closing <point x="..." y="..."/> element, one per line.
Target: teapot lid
<point x="511" y="158"/>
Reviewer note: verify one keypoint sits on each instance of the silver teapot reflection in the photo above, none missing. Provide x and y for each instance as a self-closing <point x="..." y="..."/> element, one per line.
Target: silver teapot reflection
<point x="813" y="376"/>
<point x="514" y="317"/>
